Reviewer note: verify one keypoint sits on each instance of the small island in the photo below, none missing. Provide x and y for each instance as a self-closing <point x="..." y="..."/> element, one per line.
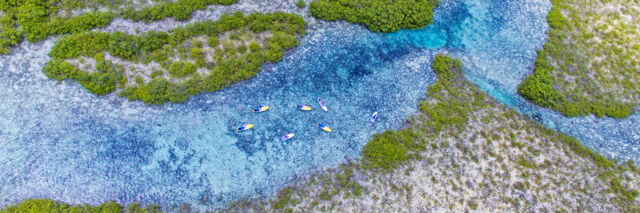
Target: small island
<point x="158" y="67"/>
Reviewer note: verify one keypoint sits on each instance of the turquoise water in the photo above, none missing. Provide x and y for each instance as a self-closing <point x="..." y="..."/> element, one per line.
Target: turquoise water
<point x="58" y="141"/>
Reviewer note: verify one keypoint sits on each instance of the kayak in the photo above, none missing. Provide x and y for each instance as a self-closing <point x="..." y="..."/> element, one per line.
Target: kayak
<point x="373" y="117"/>
<point x="245" y="127"/>
<point x="322" y="105"/>
<point x="286" y="137"/>
<point x="303" y="107"/>
<point x="261" y="108"/>
<point x="323" y="127"/>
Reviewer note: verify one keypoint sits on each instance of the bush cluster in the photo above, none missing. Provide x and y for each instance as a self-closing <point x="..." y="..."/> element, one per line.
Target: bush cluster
<point x="387" y="149"/>
<point x="301" y="4"/>
<point x="230" y="64"/>
<point x="541" y="89"/>
<point x="181" y="10"/>
<point x="36" y="20"/>
<point x="378" y="15"/>
<point x="47" y="205"/>
<point x="100" y="82"/>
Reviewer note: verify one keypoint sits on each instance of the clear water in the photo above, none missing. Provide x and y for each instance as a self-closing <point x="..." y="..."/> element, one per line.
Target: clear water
<point x="58" y="141"/>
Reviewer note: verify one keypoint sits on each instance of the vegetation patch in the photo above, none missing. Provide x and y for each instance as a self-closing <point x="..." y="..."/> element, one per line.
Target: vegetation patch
<point x="157" y="67"/>
<point x="589" y="63"/>
<point x="47" y="205"/>
<point x="387" y="149"/>
<point x="36" y="20"/>
<point x="378" y="15"/>
<point x="181" y="10"/>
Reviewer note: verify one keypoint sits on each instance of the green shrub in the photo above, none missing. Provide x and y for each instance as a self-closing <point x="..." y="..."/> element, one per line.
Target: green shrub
<point x="446" y="68"/>
<point x="538" y="87"/>
<point x="583" y="151"/>
<point x="556" y="20"/>
<point x="47" y="205"/>
<point x="378" y="15"/>
<point x="582" y="96"/>
<point x="254" y="47"/>
<point x="242" y="48"/>
<point x="103" y="80"/>
<point x="274" y="53"/>
<point x="301" y="4"/>
<point x="37" y="20"/>
<point x="283" y="198"/>
<point x="157" y="91"/>
<point x="60" y="70"/>
<point x="213" y="41"/>
<point x="386" y="150"/>
<point x="100" y="82"/>
<point x="9" y="37"/>
<point x="181" y="10"/>
<point x="445" y="114"/>
<point x="196" y="52"/>
<point x="182" y="69"/>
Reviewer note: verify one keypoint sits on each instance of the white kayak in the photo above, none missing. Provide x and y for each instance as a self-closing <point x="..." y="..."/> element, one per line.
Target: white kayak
<point x="322" y="105"/>
<point x="286" y="137"/>
<point x="374" y="117"/>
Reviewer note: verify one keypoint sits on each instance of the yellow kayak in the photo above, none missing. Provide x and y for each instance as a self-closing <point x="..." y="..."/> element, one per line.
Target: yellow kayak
<point x="323" y="127"/>
<point x="261" y="108"/>
<point x="245" y="127"/>
<point x="303" y="107"/>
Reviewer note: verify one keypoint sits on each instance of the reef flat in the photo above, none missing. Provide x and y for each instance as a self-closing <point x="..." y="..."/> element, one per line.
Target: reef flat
<point x="589" y="64"/>
<point x="464" y="152"/>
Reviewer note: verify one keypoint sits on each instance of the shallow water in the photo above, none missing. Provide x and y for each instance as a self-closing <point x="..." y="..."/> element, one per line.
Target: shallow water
<point x="58" y="141"/>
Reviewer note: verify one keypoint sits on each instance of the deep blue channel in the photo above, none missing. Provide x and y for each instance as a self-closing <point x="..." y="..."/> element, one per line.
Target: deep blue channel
<point x="59" y="141"/>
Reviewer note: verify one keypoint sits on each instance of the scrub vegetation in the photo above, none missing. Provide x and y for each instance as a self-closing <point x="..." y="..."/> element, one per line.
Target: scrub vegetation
<point x="378" y="15"/>
<point x="589" y="64"/>
<point x="464" y="152"/>
<point x="47" y="205"/>
<point x="157" y="67"/>
<point x="36" y="20"/>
